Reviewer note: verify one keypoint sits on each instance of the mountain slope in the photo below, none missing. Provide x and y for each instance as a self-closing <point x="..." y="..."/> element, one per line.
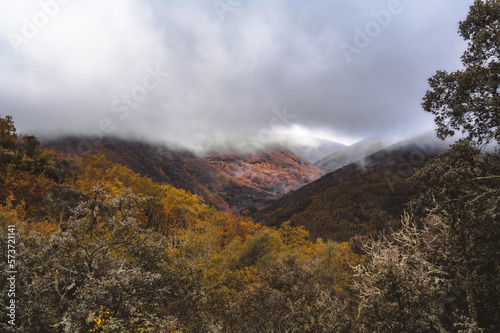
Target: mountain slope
<point x="275" y="169"/>
<point x="309" y="148"/>
<point x="185" y="170"/>
<point x="357" y="199"/>
<point x="348" y="155"/>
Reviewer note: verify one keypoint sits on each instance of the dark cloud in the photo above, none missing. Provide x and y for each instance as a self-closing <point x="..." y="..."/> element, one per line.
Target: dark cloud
<point x="203" y="71"/>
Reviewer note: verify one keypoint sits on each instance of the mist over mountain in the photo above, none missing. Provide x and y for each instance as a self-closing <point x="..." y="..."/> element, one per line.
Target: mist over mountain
<point x="250" y="166"/>
<point x="190" y="72"/>
<point x="225" y="180"/>
<point x="310" y="148"/>
<point x="349" y="154"/>
<point x="364" y="197"/>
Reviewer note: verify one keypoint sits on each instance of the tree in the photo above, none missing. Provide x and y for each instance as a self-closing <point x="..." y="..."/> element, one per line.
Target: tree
<point x="7" y="133"/>
<point x="468" y="100"/>
<point x="461" y="189"/>
<point x="398" y="287"/>
<point x="102" y="264"/>
<point x="29" y="145"/>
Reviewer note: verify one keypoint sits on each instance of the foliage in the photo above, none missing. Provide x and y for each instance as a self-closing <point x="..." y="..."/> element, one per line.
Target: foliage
<point x="228" y="181"/>
<point x="104" y="249"/>
<point x="107" y="250"/>
<point x="462" y="189"/>
<point x="399" y="287"/>
<point x="275" y="170"/>
<point x="355" y="200"/>
<point x="468" y="99"/>
<point x="8" y="134"/>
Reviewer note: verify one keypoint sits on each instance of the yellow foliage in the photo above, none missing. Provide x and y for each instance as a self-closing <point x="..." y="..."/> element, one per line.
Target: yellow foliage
<point x="101" y="318"/>
<point x="10" y="214"/>
<point x="17" y="212"/>
<point x="45" y="228"/>
<point x="310" y="250"/>
<point x="237" y="226"/>
<point x="339" y="260"/>
<point x="169" y="210"/>
<point x="293" y="236"/>
<point x="244" y="278"/>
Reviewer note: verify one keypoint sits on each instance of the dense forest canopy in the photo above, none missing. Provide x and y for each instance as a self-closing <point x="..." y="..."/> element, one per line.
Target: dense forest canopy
<point x="100" y="248"/>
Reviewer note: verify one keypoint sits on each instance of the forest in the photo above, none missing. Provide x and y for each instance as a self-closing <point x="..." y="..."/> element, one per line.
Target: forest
<point x="88" y="245"/>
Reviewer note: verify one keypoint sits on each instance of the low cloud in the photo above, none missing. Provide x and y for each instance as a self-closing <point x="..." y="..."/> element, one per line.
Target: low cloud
<point x="192" y="72"/>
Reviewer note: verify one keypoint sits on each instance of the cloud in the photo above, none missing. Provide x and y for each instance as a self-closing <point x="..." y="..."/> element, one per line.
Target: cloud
<point x="222" y="67"/>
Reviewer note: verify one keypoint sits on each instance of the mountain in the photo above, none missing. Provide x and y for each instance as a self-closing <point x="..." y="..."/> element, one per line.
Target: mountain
<point x="349" y="155"/>
<point x="203" y="176"/>
<point x="359" y="199"/>
<point x="309" y="148"/>
<point x="275" y="170"/>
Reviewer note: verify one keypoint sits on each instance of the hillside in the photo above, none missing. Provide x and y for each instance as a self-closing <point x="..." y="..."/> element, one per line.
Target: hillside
<point x="275" y="170"/>
<point x="361" y="198"/>
<point x="185" y="170"/>
<point x="309" y="148"/>
<point x="348" y="155"/>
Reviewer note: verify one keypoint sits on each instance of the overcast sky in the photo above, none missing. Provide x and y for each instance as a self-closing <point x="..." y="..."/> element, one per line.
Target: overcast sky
<point x="186" y="71"/>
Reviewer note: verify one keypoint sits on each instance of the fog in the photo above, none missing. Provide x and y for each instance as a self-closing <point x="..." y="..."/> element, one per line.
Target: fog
<point x="201" y="73"/>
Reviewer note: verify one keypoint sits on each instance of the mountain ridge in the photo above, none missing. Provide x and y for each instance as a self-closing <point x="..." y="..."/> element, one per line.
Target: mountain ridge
<point x="199" y="175"/>
<point x="364" y="197"/>
<point x="349" y="154"/>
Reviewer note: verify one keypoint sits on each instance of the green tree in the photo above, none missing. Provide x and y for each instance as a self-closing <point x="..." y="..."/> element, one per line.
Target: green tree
<point x="468" y="100"/>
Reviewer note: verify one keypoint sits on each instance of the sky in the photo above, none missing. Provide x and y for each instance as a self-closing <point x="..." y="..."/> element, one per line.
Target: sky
<point x="196" y="73"/>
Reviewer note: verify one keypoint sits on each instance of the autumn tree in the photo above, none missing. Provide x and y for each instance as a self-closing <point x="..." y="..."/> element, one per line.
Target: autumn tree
<point x="468" y="100"/>
<point x="7" y="133"/>
<point x="102" y="264"/>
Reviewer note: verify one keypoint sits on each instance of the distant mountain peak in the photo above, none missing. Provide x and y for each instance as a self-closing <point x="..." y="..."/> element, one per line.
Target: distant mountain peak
<point x="311" y="149"/>
<point x="349" y="154"/>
